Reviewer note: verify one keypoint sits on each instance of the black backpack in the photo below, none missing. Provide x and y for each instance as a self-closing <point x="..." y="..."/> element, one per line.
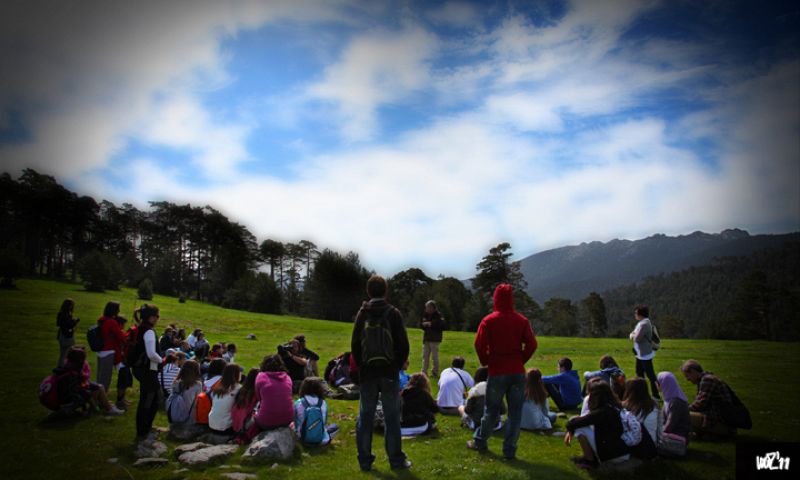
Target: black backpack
<point x="377" y="346"/>
<point x="94" y="337"/>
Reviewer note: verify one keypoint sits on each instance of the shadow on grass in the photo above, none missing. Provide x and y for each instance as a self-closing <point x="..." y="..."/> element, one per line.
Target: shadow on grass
<point x="62" y="421"/>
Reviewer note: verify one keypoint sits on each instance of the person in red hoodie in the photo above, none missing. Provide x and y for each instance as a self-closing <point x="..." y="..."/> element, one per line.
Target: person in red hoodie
<point x="113" y="343"/>
<point x="504" y="342"/>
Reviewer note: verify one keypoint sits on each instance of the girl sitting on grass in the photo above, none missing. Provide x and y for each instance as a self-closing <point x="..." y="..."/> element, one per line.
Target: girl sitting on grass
<point x="674" y="436"/>
<point x="187" y="384"/>
<point x="536" y="409"/>
<point x="419" y="407"/>
<point x="599" y="432"/>
<point x="310" y="424"/>
<point x="638" y="401"/>
<point x="244" y="405"/>
<point x="77" y="389"/>
<point x="223" y="395"/>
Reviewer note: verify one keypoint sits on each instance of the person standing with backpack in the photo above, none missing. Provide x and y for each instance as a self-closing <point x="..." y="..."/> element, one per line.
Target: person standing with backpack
<point x="379" y="347"/>
<point x="113" y="342"/>
<point x="145" y="360"/>
<point x="642" y="337"/>
<point x="504" y="342"/>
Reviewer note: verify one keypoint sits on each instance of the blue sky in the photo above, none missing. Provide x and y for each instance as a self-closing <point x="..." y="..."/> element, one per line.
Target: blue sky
<point x="416" y="133"/>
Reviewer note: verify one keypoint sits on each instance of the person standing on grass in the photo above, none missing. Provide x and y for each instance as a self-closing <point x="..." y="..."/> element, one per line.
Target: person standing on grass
<point x="432" y="325"/>
<point x="642" y="337"/>
<point x="379" y="347"/>
<point x="504" y="342"/>
<point x="146" y="369"/>
<point x="113" y="344"/>
<point x="66" y="328"/>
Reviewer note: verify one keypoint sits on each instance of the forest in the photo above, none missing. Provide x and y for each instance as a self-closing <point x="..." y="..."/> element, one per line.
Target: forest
<point x="197" y="253"/>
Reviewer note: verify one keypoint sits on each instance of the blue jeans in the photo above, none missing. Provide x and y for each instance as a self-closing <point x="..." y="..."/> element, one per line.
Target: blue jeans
<point x="513" y="387"/>
<point x="390" y="397"/>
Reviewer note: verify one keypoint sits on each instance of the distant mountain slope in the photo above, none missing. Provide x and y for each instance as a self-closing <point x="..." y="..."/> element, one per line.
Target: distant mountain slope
<point x="575" y="271"/>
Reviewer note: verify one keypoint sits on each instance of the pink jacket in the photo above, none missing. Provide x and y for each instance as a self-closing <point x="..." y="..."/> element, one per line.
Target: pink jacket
<point x="274" y="391"/>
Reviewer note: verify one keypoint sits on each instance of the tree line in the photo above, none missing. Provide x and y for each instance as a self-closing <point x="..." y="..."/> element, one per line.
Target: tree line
<point x="198" y="253"/>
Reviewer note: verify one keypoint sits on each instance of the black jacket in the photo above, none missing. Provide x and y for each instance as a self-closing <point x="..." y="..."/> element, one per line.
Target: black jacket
<point x="376" y="308"/>
<point x="419" y="407"/>
<point x="607" y="431"/>
<point x="434" y="332"/>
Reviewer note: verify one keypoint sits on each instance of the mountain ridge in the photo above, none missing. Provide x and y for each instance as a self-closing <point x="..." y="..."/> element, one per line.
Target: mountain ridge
<point x="574" y="271"/>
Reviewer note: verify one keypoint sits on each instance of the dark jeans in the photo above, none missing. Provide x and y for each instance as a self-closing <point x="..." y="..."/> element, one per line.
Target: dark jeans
<point x="645" y="367"/>
<point x="555" y="394"/>
<point x="148" y="399"/>
<point x="513" y="388"/>
<point x="390" y="398"/>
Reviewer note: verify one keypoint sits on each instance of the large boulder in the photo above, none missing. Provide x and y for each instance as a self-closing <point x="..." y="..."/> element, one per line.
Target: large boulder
<point x="270" y="446"/>
<point x="190" y="447"/>
<point x="208" y="455"/>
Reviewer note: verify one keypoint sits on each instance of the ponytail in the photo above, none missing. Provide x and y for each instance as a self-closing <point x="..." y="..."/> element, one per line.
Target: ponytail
<point x="143" y="313"/>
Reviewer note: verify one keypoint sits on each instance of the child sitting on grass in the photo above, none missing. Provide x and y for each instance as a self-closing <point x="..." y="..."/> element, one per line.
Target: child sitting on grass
<point x="419" y="407"/>
<point x="674" y="436"/>
<point x="311" y="414"/>
<point x="77" y="389"/>
<point x="599" y="432"/>
<point x="536" y="409"/>
<point x="472" y="411"/>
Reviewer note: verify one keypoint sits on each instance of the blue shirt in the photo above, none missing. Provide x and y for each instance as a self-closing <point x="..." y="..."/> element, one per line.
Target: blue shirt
<point x="569" y="385"/>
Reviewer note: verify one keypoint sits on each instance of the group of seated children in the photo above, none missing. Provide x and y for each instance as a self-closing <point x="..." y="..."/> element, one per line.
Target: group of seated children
<point x="241" y="409"/>
<point x="195" y="346"/>
<point x="605" y="434"/>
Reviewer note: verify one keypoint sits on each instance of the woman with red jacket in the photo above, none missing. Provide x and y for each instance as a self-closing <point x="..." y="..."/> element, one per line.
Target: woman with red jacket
<point x="113" y="344"/>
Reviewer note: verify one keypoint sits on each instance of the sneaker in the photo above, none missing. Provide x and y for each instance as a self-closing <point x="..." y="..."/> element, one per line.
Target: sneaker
<point x="405" y="464"/>
<point x="474" y="446"/>
<point x="114" y="411"/>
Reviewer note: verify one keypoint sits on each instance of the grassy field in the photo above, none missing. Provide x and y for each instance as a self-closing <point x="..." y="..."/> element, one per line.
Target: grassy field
<point x="762" y="373"/>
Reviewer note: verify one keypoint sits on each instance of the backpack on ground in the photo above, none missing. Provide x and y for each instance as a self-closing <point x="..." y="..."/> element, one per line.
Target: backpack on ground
<point x="94" y="336"/>
<point x="736" y="414"/>
<point x="655" y="339"/>
<point x="631" y="428"/>
<point x="312" y="431"/>
<point x="177" y="409"/>
<point x="48" y="390"/>
<point x="377" y="346"/>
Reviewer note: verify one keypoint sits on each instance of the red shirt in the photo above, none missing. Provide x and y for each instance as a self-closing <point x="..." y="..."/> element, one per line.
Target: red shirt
<point x="113" y="337"/>
<point x="505" y="339"/>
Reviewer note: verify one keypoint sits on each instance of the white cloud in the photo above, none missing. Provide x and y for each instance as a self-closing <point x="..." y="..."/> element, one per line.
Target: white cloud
<point x="376" y="69"/>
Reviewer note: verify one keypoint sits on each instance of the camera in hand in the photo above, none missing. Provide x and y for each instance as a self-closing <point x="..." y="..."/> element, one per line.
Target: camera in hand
<point x="284" y="349"/>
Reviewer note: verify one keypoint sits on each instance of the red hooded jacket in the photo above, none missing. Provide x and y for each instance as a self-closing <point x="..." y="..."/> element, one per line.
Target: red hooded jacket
<point x="113" y="337"/>
<point x="505" y="339"/>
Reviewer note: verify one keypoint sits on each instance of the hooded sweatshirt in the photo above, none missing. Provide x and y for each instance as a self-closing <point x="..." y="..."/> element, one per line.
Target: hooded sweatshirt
<point x="505" y="339"/>
<point x="274" y="392"/>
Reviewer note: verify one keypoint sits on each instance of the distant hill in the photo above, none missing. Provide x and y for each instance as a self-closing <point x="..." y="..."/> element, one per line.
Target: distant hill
<point x="575" y="271"/>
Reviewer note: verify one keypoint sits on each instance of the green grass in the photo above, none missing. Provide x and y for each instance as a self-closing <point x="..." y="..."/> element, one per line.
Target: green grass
<point x="761" y="372"/>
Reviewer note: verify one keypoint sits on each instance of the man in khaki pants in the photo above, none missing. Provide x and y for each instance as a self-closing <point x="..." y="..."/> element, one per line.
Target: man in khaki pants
<point x="432" y="325"/>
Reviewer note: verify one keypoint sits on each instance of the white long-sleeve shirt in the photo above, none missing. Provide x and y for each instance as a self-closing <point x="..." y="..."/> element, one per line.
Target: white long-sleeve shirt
<point x="150" y="349"/>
